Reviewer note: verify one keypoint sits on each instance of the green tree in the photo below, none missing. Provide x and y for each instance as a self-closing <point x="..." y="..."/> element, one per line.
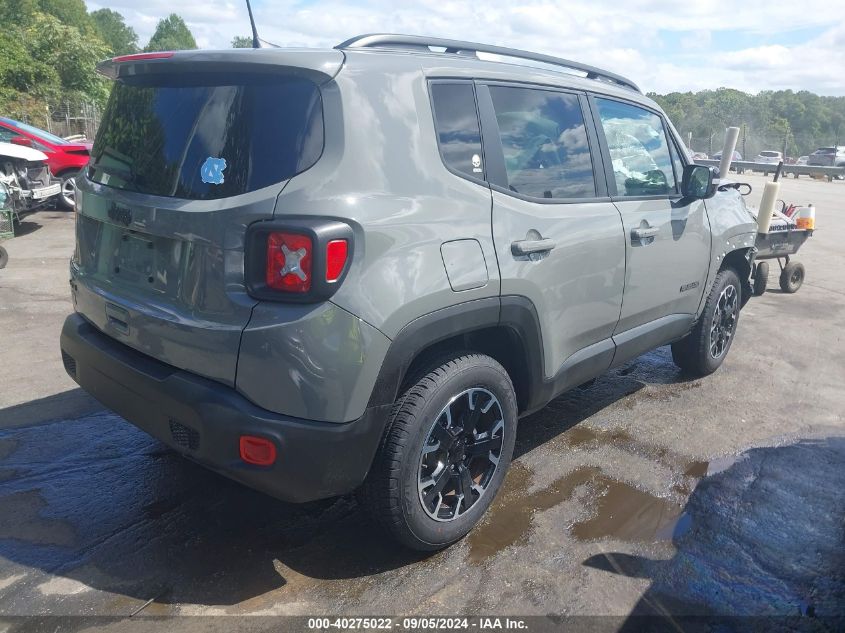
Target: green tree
<point x="171" y="34"/>
<point x="240" y="41"/>
<point x="120" y="38"/>
<point x="69" y="12"/>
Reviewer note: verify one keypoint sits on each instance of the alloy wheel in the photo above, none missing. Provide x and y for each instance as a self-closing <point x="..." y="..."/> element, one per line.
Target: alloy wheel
<point x="461" y="454"/>
<point x="724" y="320"/>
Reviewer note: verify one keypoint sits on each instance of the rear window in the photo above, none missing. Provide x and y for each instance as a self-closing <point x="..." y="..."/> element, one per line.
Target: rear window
<point x="770" y="154"/>
<point x="201" y="137"/>
<point x="825" y="150"/>
<point x="458" y="133"/>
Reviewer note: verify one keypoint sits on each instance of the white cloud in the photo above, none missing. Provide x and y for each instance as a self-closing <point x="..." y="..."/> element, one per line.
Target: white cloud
<point x="630" y="38"/>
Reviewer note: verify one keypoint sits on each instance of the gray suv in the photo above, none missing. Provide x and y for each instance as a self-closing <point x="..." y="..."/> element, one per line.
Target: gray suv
<point x="326" y="271"/>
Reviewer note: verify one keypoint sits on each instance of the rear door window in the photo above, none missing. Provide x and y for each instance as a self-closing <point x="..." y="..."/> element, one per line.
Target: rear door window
<point x="207" y="137"/>
<point x="639" y="150"/>
<point x="545" y="145"/>
<point x="458" y="131"/>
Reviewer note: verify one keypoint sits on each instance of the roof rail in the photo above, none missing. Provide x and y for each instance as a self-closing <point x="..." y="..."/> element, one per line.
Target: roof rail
<point x="418" y="42"/>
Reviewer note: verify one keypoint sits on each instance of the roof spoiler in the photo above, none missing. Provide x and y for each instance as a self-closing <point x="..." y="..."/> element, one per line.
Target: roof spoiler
<point x="319" y="66"/>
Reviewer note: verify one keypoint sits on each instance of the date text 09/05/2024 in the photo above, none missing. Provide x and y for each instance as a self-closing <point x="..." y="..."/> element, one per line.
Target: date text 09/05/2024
<point x="417" y="623"/>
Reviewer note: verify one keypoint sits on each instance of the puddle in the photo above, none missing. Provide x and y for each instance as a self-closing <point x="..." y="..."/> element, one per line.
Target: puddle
<point x="628" y="514"/>
<point x="621" y="511"/>
<point x="509" y="518"/>
<point x="20" y="518"/>
<point x="581" y="435"/>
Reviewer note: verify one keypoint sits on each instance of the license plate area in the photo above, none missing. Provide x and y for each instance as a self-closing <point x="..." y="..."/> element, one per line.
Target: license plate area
<point x="135" y="261"/>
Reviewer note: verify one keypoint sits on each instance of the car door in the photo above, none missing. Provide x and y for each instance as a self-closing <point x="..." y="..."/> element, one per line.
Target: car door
<point x="667" y="237"/>
<point x="557" y="235"/>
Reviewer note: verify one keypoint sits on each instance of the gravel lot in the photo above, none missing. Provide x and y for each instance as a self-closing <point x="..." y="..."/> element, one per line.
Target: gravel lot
<point x="645" y="493"/>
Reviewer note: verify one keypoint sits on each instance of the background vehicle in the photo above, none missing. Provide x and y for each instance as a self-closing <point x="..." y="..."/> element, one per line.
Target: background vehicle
<point x="828" y="157"/>
<point x="769" y="157"/>
<point x="25" y="172"/>
<point x="65" y="158"/>
<point x="802" y="160"/>
<point x="342" y="288"/>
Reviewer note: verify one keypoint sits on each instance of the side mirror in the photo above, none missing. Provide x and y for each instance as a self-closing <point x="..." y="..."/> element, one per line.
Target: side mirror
<point x="22" y="140"/>
<point x="698" y="182"/>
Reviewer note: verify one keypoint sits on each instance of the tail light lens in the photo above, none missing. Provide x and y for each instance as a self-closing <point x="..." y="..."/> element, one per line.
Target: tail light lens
<point x="297" y="260"/>
<point x="289" y="257"/>
<point x="336" y="253"/>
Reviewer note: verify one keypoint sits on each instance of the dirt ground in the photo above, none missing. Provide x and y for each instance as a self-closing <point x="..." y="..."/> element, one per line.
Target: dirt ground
<point x="644" y="493"/>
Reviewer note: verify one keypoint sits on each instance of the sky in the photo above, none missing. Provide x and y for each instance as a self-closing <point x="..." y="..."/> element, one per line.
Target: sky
<point x="663" y="45"/>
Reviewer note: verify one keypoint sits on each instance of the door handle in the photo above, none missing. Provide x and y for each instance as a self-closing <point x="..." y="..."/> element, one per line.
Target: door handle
<point x="527" y="247"/>
<point x="645" y="232"/>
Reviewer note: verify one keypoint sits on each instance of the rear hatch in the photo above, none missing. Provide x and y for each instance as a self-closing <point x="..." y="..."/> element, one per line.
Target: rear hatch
<point x="192" y="148"/>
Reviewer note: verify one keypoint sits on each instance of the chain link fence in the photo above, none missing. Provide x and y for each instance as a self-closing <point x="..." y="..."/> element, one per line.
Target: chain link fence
<point x="69" y="120"/>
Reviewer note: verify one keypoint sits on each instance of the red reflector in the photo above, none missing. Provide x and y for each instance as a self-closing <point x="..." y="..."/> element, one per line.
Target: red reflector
<point x="289" y="262"/>
<point x="142" y="56"/>
<point x="336" y="252"/>
<point x="257" y="450"/>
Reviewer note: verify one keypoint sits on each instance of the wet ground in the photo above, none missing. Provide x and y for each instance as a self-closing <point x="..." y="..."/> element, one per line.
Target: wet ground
<point x="644" y="493"/>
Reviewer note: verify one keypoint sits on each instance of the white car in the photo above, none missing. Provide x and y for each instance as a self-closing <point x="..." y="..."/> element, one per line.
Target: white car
<point x="769" y="157"/>
<point x="25" y="172"/>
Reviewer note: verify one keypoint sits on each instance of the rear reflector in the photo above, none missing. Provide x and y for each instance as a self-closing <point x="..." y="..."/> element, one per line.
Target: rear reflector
<point x="336" y="253"/>
<point x="257" y="450"/>
<point x="289" y="261"/>
<point x="142" y="56"/>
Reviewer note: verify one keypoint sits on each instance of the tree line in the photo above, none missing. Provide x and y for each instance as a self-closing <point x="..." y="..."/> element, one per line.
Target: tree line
<point x="795" y="123"/>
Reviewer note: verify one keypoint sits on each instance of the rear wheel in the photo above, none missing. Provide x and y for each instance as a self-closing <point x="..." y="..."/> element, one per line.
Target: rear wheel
<point x="445" y="452"/>
<point x="68" y="193"/>
<point x="791" y="277"/>
<point x="761" y="278"/>
<point x="4" y="257"/>
<point x="704" y="349"/>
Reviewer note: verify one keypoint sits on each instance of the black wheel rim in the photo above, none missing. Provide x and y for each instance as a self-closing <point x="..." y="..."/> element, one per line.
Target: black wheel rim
<point x="724" y="321"/>
<point x="461" y="453"/>
<point x="796" y="277"/>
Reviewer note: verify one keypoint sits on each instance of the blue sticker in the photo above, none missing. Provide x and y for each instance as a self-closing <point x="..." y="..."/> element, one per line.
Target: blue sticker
<point x="212" y="170"/>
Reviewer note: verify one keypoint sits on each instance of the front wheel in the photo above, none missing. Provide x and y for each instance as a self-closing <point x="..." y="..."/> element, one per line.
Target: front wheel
<point x="445" y="452"/>
<point x="4" y="257"/>
<point x="704" y="349"/>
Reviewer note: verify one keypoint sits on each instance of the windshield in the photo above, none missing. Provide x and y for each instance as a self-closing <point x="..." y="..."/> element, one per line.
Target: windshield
<point x="825" y="150"/>
<point x="207" y="137"/>
<point x="42" y="134"/>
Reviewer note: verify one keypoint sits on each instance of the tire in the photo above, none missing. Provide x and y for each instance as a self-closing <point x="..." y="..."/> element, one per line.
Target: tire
<point x="65" y="198"/>
<point x="4" y="257"/>
<point x="403" y="491"/>
<point x="704" y="349"/>
<point x="791" y="277"/>
<point x="761" y="278"/>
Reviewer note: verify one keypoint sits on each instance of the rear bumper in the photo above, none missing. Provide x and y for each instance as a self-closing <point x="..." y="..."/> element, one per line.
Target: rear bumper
<point x="204" y="420"/>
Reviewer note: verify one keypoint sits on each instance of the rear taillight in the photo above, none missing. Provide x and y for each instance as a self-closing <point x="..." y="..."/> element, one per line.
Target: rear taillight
<point x="289" y="257"/>
<point x="298" y="260"/>
<point x="336" y="253"/>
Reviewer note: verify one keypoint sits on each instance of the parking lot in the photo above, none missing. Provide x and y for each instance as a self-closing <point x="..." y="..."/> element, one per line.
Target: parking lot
<point x="643" y="493"/>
